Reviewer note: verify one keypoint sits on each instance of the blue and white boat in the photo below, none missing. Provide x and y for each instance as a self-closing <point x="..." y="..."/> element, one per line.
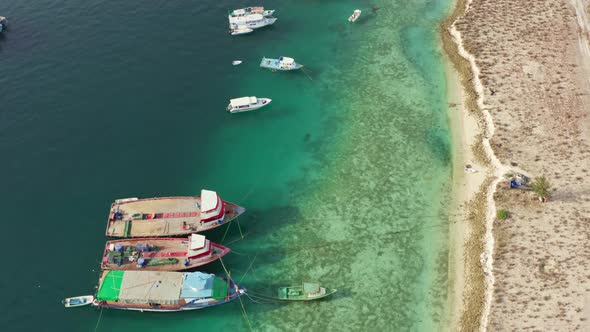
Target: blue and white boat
<point x="164" y="291"/>
<point x="78" y="301"/>
<point x="282" y="63"/>
<point x="3" y="22"/>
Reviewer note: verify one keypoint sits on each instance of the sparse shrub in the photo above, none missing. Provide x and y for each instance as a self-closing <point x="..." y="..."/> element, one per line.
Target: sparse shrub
<point x="502" y="214"/>
<point x="542" y="188"/>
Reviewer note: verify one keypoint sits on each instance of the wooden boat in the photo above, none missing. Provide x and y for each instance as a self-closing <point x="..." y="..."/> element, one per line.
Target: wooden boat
<point x="161" y="254"/>
<point x="282" y="63"/>
<point x="355" y="16"/>
<point x="308" y="291"/>
<point x="164" y="291"/>
<point x="78" y="301"/>
<point x="169" y="216"/>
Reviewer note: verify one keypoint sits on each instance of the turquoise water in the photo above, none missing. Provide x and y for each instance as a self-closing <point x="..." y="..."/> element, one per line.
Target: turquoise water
<point x="345" y="175"/>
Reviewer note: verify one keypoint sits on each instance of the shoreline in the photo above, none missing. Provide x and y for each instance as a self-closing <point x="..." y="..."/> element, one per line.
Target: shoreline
<point x="471" y="238"/>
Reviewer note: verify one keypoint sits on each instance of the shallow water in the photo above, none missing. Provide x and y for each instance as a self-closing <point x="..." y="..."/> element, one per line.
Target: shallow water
<point x="344" y="175"/>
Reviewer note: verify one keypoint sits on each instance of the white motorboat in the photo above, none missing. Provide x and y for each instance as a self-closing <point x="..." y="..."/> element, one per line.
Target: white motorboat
<point x="78" y="301"/>
<point x="252" y="21"/>
<point x="236" y="62"/>
<point x="240" y="30"/>
<point x="246" y="104"/>
<point x="355" y="15"/>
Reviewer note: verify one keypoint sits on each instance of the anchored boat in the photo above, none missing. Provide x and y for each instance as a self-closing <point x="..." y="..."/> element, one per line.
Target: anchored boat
<point x="251" y="10"/>
<point x="3" y="23"/>
<point x="169" y="216"/>
<point x="240" y="30"/>
<point x="241" y="24"/>
<point x="282" y="63"/>
<point x="246" y="104"/>
<point x="164" y="291"/>
<point x="355" y="16"/>
<point x="308" y="291"/>
<point x="161" y="254"/>
<point x="78" y="301"/>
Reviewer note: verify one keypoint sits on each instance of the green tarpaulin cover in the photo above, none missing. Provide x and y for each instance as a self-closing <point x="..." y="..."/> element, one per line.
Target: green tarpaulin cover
<point x="111" y="286"/>
<point x="219" y="289"/>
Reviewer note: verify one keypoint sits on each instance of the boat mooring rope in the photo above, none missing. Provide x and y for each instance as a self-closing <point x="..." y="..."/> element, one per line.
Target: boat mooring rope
<point x="249" y="267"/>
<point x="239" y="297"/>
<point x="306" y="73"/>
<point x="226" y="230"/>
<point x="98" y="321"/>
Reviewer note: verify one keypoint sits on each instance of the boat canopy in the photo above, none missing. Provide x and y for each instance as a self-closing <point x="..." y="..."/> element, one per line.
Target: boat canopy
<point x="198" y="285"/>
<point x="140" y="287"/>
<point x="286" y="60"/>
<point x="246" y="19"/>
<point x="211" y="205"/>
<point x="197" y="241"/>
<point x="244" y="101"/>
<point x="311" y="287"/>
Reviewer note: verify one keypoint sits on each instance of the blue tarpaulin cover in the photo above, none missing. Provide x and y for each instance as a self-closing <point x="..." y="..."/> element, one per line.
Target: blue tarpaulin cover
<point x="197" y="285"/>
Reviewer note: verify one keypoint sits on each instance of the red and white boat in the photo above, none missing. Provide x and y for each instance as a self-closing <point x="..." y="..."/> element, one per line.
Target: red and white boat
<point x="161" y="254"/>
<point x="169" y="216"/>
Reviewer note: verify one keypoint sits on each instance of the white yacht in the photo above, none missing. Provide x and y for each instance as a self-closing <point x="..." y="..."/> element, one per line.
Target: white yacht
<point x="246" y="104"/>
<point x="241" y="24"/>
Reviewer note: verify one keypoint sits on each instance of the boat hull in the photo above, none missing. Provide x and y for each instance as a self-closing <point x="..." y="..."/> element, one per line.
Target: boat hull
<point x="193" y="305"/>
<point x="264" y="102"/>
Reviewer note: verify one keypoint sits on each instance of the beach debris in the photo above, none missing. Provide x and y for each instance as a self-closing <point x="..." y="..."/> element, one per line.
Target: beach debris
<point x="470" y="169"/>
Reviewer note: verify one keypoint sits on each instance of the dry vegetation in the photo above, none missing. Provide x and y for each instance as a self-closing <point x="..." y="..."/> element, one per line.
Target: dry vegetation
<point x="535" y="90"/>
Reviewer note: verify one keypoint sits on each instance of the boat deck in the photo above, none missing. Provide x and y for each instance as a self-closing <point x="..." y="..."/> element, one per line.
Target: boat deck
<point x="167" y="216"/>
<point x="173" y="249"/>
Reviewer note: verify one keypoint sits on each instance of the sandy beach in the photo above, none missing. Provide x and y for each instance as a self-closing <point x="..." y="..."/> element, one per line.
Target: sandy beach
<point x="524" y="69"/>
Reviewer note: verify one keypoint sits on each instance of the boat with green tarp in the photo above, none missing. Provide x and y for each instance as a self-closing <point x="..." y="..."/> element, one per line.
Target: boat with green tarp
<point x="164" y="291"/>
<point x="308" y="291"/>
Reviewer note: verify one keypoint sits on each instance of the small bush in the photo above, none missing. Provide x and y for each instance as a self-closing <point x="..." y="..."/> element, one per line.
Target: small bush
<point x="502" y="214"/>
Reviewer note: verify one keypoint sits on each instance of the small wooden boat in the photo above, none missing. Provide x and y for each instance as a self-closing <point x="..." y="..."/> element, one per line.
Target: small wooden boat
<point x="161" y="254"/>
<point x="308" y="291"/>
<point x="282" y="63"/>
<point x="355" y="16"/>
<point x="78" y="301"/>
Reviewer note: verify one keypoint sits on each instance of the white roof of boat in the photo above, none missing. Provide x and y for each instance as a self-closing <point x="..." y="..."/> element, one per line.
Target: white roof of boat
<point x="245" y="19"/>
<point x="149" y="286"/>
<point x="287" y="60"/>
<point x="208" y="200"/>
<point x="197" y="242"/>
<point x="244" y="101"/>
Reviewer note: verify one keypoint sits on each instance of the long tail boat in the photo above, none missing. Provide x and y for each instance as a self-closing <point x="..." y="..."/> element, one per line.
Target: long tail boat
<point x="169" y="216"/>
<point x="308" y="291"/>
<point x="164" y="291"/>
<point x="161" y="254"/>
